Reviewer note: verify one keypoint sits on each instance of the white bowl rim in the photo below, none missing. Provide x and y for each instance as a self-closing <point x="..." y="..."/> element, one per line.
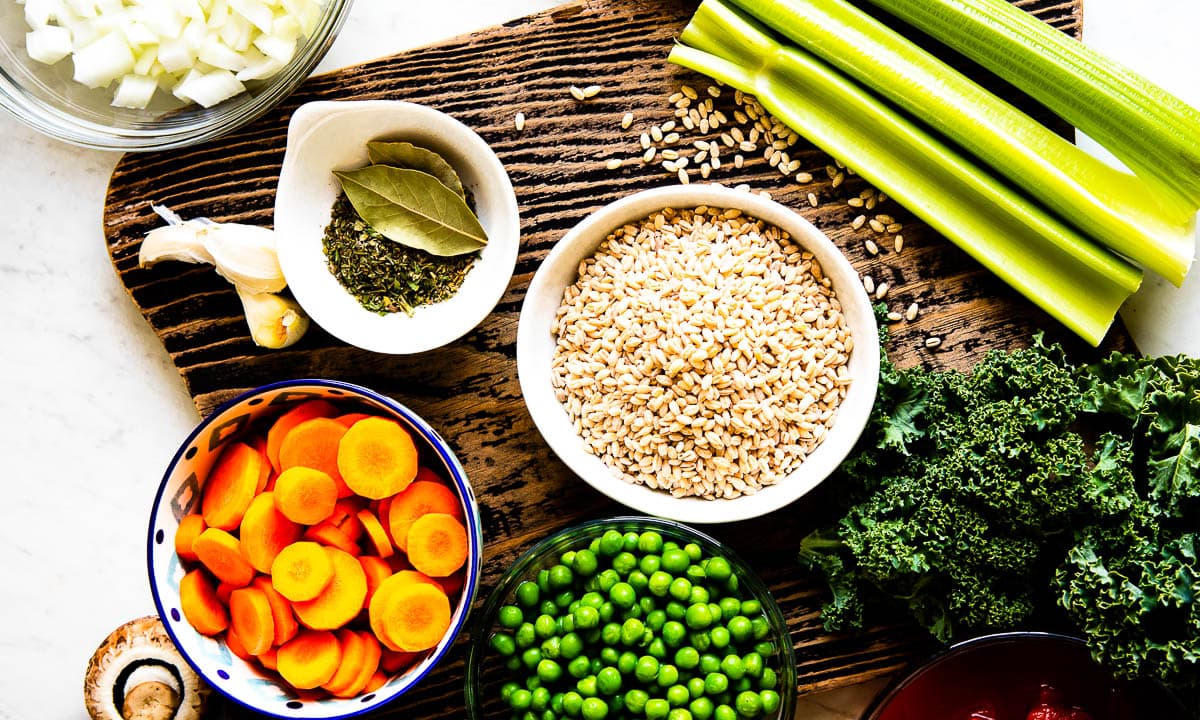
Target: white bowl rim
<point x="397" y="333"/>
<point x="553" y="423"/>
<point x="462" y="487"/>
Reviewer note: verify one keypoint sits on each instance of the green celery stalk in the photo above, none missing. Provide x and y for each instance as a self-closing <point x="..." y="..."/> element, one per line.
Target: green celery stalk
<point x="1148" y="128"/>
<point x="1115" y="208"/>
<point x="1075" y="281"/>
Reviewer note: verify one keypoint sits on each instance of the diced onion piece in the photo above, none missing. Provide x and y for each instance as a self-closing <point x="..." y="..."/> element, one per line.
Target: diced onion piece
<point x="279" y="48"/>
<point x="145" y="62"/>
<point x="135" y="92"/>
<point x="261" y="69"/>
<point x="82" y="8"/>
<point x="176" y="56"/>
<point x="194" y="34"/>
<point x="216" y="54"/>
<point x="48" y="44"/>
<point x="218" y="14"/>
<point x="237" y="33"/>
<point x="42" y="12"/>
<point x="163" y="19"/>
<point x="208" y="89"/>
<point x="103" y="61"/>
<point x="187" y="8"/>
<point x="286" y="27"/>
<point x="138" y="34"/>
<point x="254" y="11"/>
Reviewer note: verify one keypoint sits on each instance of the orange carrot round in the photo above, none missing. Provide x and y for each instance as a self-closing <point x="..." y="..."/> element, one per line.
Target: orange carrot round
<point x="282" y="617"/>
<point x="372" y="653"/>
<point x="382" y="599"/>
<point x="251" y="620"/>
<point x="414" y="616"/>
<point x="301" y="571"/>
<point x="353" y="655"/>
<point x="221" y="553"/>
<point x="236" y="647"/>
<point x="392" y="661"/>
<point x="453" y="583"/>
<point x="190" y="527"/>
<point x="377" y="458"/>
<point x="342" y="598"/>
<point x="437" y="544"/>
<point x="200" y="605"/>
<point x="270" y="659"/>
<point x="420" y="498"/>
<point x="259" y="443"/>
<point x="350" y="418"/>
<point x="377" y="570"/>
<point x="230" y="486"/>
<point x="378" y="537"/>
<point x="424" y="474"/>
<point x="314" y="444"/>
<point x="265" y="532"/>
<point x="223" y="591"/>
<point x="305" y="495"/>
<point x="376" y="681"/>
<point x="331" y="535"/>
<point x="292" y="418"/>
<point x="308" y="660"/>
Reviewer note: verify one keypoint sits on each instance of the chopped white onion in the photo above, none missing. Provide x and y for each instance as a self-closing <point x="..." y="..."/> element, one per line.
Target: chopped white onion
<point x="103" y="61"/>
<point x="210" y="88"/>
<point x="48" y="44"/>
<point x="134" y="91"/>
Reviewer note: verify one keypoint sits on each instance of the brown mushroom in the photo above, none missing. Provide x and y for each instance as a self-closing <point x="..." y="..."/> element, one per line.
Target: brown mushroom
<point x="138" y="674"/>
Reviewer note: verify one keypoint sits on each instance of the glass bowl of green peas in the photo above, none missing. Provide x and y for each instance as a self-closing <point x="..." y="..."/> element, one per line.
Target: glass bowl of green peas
<point x="630" y="617"/>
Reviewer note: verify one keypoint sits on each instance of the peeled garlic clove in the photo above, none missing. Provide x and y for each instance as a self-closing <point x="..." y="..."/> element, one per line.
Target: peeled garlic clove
<point x="275" y="322"/>
<point x="245" y="256"/>
<point x="183" y="242"/>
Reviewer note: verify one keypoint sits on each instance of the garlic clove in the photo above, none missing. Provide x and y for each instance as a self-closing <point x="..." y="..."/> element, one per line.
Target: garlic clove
<point x="245" y="256"/>
<point x="275" y="322"/>
<point x="183" y="242"/>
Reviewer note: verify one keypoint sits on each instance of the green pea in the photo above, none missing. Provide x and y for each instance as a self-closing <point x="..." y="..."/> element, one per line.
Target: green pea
<point x="585" y="563"/>
<point x="693" y="551"/>
<point x="540" y="699"/>
<point x="673" y="632"/>
<point x="766" y="648"/>
<point x="579" y="667"/>
<point x="657" y="709"/>
<point x="586" y="617"/>
<point x="608" y="681"/>
<point x="687" y="658"/>
<point x="679" y="714"/>
<point x="504" y="644"/>
<point x="624" y="563"/>
<point x="507" y="689"/>
<point x="698" y="617"/>
<point x="609" y="656"/>
<point x="732" y="666"/>
<point x="631" y="631"/>
<point x="551" y="647"/>
<point x="592" y="599"/>
<point x="594" y="709"/>
<point x="611" y="543"/>
<point x="622" y="595"/>
<point x="724" y="712"/>
<point x="532" y="682"/>
<point x="567" y="558"/>
<point x="657" y="648"/>
<point x="698" y="596"/>
<point x="650" y="541"/>
<point x="731" y="607"/>
<point x="748" y="704"/>
<point x="627" y="662"/>
<point x="670" y="545"/>
<point x="566" y="623"/>
<point x="635" y="700"/>
<point x="638" y="580"/>
<point x="677" y="695"/>
<point x="675" y="560"/>
<point x="761" y="627"/>
<point x="769" y="679"/>
<point x="629" y="541"/>
<point x="556" y="703"/>
<point x="668" y="675"/>
<point x="647" y="604"/>
<point x="709" y="663"/>
<point x="564" y="599"/>
<point x="513" y="663"/>
<point x="608" y="578"/>
<point x="742" y="685"/>
<point x="572" y="703"/>
<point x="696" y="574"/>
<point x="531" y="657"/>
<point x="526" y="635"/>
<point x="701" y="708"/>
<point x="591" y="636"/>
<point x="570" y="646"/>
<point x="770" y="701"/>
<point x="719" y="637"/>
<point x="650" y="564"/>
<point x="718" y="568"/>
<point x="715" y="683"/>
<point x="646" y="669"/>
<point x="633" y="611"/>
<point x="587" y="686"/>
<point x="659" y="583"/>
<point x="607" y="610"/>
<point x="676" y="610"/>
<point x="548" y="607"/>
<point x="695" y="687"/>
<point x="751" y="607"/>
<point x="681" y="589"/>
<point x="520" y="699"/>
<point x="700" y="640"/>
<point x="544" y="626"/>
<point x="740" y="628"/>
<point x="511" y="617"/>
<point x="732" y="583"/>
<point x="543" y="580"/>
<point x="528" y="594"/>
<point x="655" y="619"/>
<point x="753" y="663"/>
<point x="611" y="634"/>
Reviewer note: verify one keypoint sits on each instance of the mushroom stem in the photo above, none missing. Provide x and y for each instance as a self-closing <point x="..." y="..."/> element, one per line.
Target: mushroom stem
<point x="150" y="701"/>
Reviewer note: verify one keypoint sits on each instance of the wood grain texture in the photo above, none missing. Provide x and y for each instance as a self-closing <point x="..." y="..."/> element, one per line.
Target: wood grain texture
<point x="468" y="390"/>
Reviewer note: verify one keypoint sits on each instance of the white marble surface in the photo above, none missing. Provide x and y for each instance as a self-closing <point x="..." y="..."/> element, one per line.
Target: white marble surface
<point x="92" y="409"/>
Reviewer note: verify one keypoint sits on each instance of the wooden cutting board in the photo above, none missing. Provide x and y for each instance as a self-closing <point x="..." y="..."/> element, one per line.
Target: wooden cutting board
<point x="468" y="390"/>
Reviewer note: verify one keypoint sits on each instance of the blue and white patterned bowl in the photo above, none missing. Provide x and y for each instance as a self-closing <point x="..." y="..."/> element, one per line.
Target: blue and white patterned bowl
<point x="179" y="493"/>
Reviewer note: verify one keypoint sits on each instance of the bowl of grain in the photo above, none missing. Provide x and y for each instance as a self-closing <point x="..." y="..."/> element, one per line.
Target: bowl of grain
<point x="698" y="353"/>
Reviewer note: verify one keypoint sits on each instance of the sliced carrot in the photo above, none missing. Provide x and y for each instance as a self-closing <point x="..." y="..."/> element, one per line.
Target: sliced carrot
<point x="452" y="584"/>
<point x="308" y="660"/>
<point x="305" y="495"/>
<point x="380" y="542"/>
<point x="416" y="576"/>
<point x="437" y="544"/>
<point x="414" y="616"/>
<point x="393" y="661"/>
<point x="282" y="617"/>
<point x="199" y="603"/>
<point x="190" y="526"/>
<point x="376" y="681"/>
<point x="420" y="498"/>
<point x="377" y="458"/>
<point x="266" y="531"/>
<point x="382" y="599"/>
<point x="424" y="474"/>
<point x="345" y="516"/>
<point x="230" y="486"/>
<point x="314" y="444"/>
<point x="223" y="591"/>
<point x="331" y="535"/>
<point x="377" y="570"/>
<point x="221" y="553"/>
<point x="372" y="654"/>
<point x="270" y="659"/>
<point x="259" y="443"/>
<point x="353" y="656"/>
<point x="292" y="418"/>
<point x="350" y="418"/>
<point x="236" y="646"/>
<point x="251" y="618"/>
<point x="341" y="600"/>
<point x="301" y="571"/>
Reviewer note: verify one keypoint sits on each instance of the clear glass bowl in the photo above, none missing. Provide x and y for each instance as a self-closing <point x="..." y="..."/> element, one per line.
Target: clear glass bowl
<point x="47" y="99"/>
<point x="486" y="672"/>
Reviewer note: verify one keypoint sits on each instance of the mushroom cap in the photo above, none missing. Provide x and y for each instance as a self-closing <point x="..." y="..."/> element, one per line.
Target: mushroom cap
<point x="137" y="654"/>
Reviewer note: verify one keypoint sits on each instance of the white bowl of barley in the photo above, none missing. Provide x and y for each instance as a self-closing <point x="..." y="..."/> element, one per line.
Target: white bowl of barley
<point x="692" y="363"/>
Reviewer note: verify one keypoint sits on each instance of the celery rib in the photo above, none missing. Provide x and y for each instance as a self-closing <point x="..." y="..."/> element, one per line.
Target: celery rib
<point x="1075" y="281"/>
<point x="1113" y="207"/>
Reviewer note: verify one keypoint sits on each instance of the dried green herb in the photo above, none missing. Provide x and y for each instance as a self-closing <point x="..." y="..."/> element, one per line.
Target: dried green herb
<point x="385" y="276"/>
<point x="413" y="208"/>
<point x="407" y="155"/>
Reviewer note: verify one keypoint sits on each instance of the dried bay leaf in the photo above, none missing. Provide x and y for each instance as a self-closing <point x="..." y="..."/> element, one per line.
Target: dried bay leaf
<point x="409" y="156"/>
<point x="413" y="208"/>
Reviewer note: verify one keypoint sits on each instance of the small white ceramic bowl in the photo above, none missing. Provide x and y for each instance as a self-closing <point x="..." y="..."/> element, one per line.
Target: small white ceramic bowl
<point x="179" y="494"/>
<point x="535" y="351"/>
<point x="333" y="135"/>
